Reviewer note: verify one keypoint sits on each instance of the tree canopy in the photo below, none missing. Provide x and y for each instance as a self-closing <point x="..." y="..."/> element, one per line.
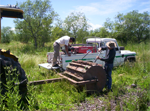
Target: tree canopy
<point x="76" y="24"/>
<point x="37" y="23"/>
<point x="133" y="26"/>
<point x="7" y="34"/>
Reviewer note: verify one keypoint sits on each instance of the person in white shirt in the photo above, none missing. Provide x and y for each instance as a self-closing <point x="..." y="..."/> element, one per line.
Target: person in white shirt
<point x="63" y="41"/>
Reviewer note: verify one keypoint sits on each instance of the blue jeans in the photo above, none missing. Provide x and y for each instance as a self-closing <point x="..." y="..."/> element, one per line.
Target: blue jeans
<point x="108" y="69"/>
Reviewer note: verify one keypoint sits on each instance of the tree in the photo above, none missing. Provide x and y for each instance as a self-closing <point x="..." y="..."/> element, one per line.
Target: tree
<point x="58" y="30"/>
<point x="133" y="26"/>
<point x="109" y="25"/>
<point x="100" y="32"/>
<point x="38" y="18"/>
<point x="120" y="29"/>
<point x="76" y="23"/>
<point x="7" y="34"/>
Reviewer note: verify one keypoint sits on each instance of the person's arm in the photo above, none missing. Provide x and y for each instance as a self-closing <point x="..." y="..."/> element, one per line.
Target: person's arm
<point x="69" y="45"/>
<point x="109" y="57"/>
<point x="101" y="48"/>
<point x="66" y="48"/>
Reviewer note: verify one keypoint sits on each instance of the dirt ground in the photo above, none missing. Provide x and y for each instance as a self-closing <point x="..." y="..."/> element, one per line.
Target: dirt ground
<point x="107" y="102"/>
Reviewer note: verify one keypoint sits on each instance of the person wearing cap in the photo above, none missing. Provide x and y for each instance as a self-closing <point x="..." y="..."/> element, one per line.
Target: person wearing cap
<point x="109" y="58"/>
<point x="63" y="41"/>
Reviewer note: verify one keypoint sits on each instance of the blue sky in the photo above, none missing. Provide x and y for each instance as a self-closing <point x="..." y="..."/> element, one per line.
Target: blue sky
<point x="97" y="11"/>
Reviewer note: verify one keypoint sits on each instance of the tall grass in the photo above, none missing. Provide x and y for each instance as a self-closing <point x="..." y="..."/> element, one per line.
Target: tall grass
<point x="63" y="96"/>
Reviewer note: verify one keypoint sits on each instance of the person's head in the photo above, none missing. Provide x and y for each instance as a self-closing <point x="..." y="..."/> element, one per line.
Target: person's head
<point x="72" y="39"/>
<point x="111" y="44"/>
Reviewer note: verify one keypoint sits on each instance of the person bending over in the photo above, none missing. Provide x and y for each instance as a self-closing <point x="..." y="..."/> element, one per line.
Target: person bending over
<point x="63" y="41"/>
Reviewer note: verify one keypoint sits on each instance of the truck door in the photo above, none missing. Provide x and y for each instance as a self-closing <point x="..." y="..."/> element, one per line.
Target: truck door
<point x="117" y="58"/>
<point x="102" y="54"/>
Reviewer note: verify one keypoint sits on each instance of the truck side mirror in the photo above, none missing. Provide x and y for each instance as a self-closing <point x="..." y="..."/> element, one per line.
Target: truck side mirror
<point x="122" y="55"/>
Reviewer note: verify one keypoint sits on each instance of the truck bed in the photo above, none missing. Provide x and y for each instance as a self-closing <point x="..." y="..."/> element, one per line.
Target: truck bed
<point x="47" y="66"/>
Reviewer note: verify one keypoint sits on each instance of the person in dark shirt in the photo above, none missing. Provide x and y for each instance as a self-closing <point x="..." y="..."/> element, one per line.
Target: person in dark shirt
<point x="109" y="58"/>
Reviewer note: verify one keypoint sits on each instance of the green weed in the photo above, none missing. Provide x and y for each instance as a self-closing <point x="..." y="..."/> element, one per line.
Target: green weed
<point x="63" y="96"/>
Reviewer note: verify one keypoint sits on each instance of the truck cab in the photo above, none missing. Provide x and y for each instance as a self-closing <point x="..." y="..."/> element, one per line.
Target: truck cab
<point x="101" y="42"/>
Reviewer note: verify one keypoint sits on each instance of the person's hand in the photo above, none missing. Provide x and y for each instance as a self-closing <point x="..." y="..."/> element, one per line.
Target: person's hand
<point x="98" y="57"/>
<point x="69" y="54"/>
<point x="99" y="49"/>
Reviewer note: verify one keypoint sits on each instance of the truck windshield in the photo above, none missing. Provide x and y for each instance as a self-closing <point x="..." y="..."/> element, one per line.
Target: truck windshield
<point x="93" y="44"/>
<point x="102" y="44"/>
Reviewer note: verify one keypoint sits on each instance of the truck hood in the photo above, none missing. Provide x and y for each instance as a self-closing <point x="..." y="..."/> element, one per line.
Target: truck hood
<point x="127" y="52"/>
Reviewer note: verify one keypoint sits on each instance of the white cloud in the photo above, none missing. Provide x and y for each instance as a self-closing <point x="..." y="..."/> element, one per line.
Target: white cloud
<point x="144" y="10"/>
<point x="106" y="7"/>
<point x="145" y="3"/>
<point x="13" y="29"/>
<point x="94" y="26"/>
<point x="88" y="9"/>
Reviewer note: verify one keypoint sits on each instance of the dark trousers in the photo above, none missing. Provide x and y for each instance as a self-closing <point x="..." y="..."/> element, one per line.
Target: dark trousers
<point x="108" y="69"/>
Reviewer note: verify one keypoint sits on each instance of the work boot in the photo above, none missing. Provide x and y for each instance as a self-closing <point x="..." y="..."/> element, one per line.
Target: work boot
<point x="109" y="90"/>
<point x="56" y="65"/>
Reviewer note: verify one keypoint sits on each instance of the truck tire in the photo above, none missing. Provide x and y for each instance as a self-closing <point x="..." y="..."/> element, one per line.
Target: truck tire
<point x="15" y="72"/>
<point x="130" y="59"/>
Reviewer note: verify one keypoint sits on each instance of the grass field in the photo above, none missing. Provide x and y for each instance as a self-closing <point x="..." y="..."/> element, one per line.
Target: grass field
<point x="64" y="96"/>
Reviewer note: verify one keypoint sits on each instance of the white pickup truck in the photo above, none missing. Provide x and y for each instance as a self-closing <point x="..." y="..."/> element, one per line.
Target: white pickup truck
<point x="63" y="60"/>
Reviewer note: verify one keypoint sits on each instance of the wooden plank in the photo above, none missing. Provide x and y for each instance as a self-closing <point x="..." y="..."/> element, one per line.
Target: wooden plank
<point x="84" y="62"/>
<point x="65" y="77"/>
<point x="81" y="65"/>
<point x="44" y="81"/>
<point x="79" y="69"/>
<point x="73" y="75"/>
<point x="79" y="83"/>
